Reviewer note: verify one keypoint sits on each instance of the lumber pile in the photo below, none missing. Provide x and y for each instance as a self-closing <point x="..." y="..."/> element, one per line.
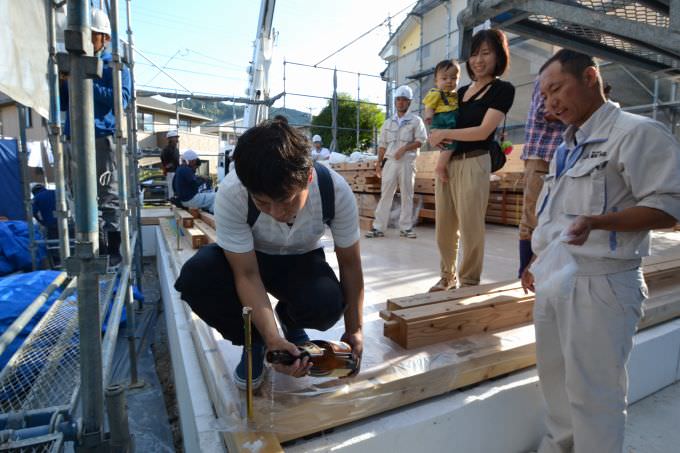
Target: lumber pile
<point x="505" y="197"/>
<point x="196" y="225"/>
<point x="430" y="318"/>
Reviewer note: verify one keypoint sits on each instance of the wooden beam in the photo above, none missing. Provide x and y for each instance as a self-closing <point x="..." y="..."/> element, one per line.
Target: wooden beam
<point x="453" y="294"/>
<point x="185" y="218"/>
<point x="210" y="234"/>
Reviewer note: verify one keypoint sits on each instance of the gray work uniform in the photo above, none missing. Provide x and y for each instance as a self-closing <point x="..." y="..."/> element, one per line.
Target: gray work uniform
<point x="614" y="161"/>
<point x="395" y="133"/>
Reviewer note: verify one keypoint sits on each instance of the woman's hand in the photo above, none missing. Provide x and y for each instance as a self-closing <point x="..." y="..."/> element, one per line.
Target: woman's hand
<point x="439" y="137"/>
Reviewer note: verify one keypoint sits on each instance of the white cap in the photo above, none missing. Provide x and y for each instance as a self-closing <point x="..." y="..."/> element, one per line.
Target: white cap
<point x="172" y="133"/>
<point x="404" y="91"/>
<point x="100" y="22"/>
<point x="317" y="138"/>
<point x="189" y="155"/>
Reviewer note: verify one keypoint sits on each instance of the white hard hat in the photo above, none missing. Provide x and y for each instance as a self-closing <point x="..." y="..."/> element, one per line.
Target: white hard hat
<point x="172" y="133"/>
<point x="404" y="91"/>
<point x="100" y="22"/>
<point x="317" y="138"/>
<point x="189" y="155"/>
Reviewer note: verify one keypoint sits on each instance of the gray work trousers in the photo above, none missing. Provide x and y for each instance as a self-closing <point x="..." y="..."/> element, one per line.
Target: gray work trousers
<point x="107" y="182"/>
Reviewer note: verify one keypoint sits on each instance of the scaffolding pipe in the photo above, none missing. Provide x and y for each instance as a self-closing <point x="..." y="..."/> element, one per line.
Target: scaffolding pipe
<point x="125" y="288"/>
<point x="83" y="65"/>
<point x="134" y="153"/>
<point x="25" y="181"/>
<point x="55" y="136"/>
<point x="358" y="110"/>
<point x="116" y="408"/>
<point x="113" y="323"/>
<point x="30" y="311"/>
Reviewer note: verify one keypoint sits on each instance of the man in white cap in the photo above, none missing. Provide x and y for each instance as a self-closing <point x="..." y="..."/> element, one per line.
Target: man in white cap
<point x="318" y="151"/>
<point x="170" y="159"/>
<point x="104" y="129"/>
<point x="191" y="190"/>
<point x="400" y="139"/>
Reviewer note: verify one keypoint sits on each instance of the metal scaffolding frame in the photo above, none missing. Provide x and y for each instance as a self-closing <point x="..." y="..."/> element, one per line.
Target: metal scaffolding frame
<point x="67" y="345"/>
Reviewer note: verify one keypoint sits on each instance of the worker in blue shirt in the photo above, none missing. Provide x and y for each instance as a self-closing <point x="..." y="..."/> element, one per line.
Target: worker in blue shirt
<point x="44" y="205"/>
<point x="191" y="190"/>
<point x="104" y="127"/>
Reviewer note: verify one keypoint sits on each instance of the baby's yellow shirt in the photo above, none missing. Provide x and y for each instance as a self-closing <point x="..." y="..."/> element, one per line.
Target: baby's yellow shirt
<point x="434" y="100"/>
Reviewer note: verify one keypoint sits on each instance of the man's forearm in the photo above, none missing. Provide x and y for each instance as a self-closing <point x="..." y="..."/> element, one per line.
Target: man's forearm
<point x="381" y="154"/>
<point x="410" y="146"/>
<point x="637" y="218"/>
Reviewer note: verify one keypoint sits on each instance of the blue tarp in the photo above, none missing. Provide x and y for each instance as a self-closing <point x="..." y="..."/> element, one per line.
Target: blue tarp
<point x="14" y="252"/>
<point x="11" y="201"/>
<point x="16" y="293"/>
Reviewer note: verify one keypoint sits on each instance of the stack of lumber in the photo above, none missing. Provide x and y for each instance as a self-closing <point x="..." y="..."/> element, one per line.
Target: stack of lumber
<point x="197" y="226"/>
<point x="505" y="197"/>
<point x="430" y="318"/>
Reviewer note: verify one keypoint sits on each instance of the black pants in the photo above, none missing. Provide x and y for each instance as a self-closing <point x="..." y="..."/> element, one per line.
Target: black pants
<point x="309" y="293"/>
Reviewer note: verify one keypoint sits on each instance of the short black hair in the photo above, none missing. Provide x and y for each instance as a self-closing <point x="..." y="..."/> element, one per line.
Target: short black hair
<point x="445" y="65"/>
<point x="273" y="159"/>
<point x="37" y="189"/>
<point x="572" y="62"/>
<point x="498" y="42"/>
<point x="281" y="118"/>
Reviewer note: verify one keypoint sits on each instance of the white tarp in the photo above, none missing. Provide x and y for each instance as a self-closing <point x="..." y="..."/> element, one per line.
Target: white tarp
<point x="23" y="53"/>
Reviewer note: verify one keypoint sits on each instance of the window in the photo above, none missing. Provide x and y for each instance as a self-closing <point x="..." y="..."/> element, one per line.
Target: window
<point x="185" y="125"/>
<point x="145" y="122"/>
<point x="29" y="117"/>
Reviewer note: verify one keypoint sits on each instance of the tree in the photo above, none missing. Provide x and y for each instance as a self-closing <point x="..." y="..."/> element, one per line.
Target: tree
<point x="370" y="117"/>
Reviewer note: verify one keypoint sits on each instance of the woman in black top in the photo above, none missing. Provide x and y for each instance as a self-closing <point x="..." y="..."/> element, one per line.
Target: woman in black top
<point x="462" y="176"/>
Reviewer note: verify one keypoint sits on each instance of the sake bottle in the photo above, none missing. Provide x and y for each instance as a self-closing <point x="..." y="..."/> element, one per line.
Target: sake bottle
<point x="329" y="358"/>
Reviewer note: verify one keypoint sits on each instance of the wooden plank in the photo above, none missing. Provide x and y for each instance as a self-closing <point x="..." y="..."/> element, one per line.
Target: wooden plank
<point x="184" y="217"/>
<point x="210" y="234"/>
<point x="196" y="237"/>
<point x="451" y="295"/>
<point x="208" y="218"/>
<point x="487" y="318"/>
<point x="460" y="305"/>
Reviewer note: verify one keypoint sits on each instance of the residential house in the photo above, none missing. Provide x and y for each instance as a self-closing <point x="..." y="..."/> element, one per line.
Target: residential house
<point x="429" y="34"/>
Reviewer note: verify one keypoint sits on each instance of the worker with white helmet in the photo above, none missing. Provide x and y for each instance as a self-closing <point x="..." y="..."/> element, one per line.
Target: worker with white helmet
<point x="400" y="139"/>
<point x="104" y="126"/>
<point x="192" y="191"/>
<point x="170" y="159"/>
<point x="318" y="151"/>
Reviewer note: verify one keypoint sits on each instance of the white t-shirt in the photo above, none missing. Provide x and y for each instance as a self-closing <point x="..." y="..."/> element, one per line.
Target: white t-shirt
<point x="321" y="154"/>
<point x="277" y="238"/>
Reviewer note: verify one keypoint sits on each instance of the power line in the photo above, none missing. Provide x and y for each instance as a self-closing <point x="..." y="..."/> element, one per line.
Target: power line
<point x="386" y="21"/>
<point x="210" y="74"/>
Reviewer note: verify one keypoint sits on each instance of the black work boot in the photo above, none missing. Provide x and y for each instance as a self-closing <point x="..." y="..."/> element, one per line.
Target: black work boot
<point x="113" y="248"/>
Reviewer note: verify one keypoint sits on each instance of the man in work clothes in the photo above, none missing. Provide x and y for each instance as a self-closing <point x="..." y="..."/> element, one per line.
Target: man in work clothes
<point x="543" y="133"/>
<point x="612" y="180"/>
<point x="400" y="139"/>
<point x="270" y="215"/>
<point x="104" y="128"/>
<point x="170" y="159"/>
<point x="191" y="190"/>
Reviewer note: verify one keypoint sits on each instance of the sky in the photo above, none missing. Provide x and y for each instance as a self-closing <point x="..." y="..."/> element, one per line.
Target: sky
<point x="206" y="45"/>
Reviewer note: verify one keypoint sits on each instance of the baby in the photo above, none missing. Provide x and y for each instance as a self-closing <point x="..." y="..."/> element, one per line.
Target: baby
<point x="441" y="103"/>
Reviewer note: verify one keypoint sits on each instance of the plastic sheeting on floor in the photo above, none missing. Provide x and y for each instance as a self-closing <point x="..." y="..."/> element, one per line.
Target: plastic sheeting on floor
<point x="11" y="201"/>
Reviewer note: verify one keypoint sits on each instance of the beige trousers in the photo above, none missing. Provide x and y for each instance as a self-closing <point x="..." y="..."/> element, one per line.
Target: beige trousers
<point x="534" y="170"/>
<point x="402" y="174"/>
<point x="460" y="210"/>
<point x="583" y="341"/>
